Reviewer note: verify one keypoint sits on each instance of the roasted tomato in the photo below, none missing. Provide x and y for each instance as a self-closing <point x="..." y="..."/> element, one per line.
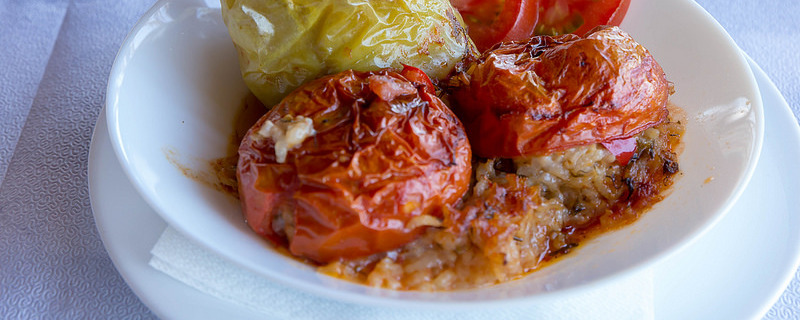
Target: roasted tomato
<point x="353" y="164"/>
<point x="553" y="93"/>
<point x="579" y="16"/>
<point x="492" y="21"/>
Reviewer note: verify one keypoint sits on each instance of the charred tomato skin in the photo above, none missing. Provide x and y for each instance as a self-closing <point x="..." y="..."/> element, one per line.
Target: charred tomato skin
<point x="549" y="94"/>
<point x="386" y="150"/>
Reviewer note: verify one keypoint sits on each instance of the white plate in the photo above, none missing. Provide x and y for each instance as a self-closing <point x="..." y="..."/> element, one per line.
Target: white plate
<point x="175" y="88"/>
<point x="737" y="270"/>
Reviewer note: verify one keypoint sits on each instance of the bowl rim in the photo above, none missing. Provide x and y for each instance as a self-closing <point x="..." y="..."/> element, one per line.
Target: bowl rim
<point x="112" y="116"/>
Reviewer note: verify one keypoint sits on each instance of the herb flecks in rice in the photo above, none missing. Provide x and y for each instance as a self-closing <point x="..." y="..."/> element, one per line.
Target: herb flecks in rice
<point x="513" y="222"/>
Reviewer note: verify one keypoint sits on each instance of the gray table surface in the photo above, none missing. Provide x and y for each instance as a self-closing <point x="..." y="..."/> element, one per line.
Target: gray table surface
<point x="55" y="56"/>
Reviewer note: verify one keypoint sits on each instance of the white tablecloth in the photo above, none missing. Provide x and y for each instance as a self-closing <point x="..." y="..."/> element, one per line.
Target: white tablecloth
<point x="55" y="56"/>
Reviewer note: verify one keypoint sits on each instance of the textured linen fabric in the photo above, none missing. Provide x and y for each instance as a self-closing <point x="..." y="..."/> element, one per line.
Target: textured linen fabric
<point x="55" y="56"/>
<point x="24" y="56"/>
<point x="52" y="262"/>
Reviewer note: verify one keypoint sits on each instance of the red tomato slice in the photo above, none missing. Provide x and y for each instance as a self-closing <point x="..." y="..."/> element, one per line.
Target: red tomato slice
<point x="579" y="16"/>
<point x="492" y="21"/>
<point x="623" y="149"/>
<point x="419" y="77"/>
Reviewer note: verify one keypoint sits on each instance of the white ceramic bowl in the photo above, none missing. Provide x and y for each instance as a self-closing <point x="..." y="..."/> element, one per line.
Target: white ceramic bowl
<point x="175" y="88"/>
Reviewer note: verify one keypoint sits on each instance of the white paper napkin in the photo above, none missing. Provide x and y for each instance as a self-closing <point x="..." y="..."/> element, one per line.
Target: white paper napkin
<point x="178" y="257"/>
